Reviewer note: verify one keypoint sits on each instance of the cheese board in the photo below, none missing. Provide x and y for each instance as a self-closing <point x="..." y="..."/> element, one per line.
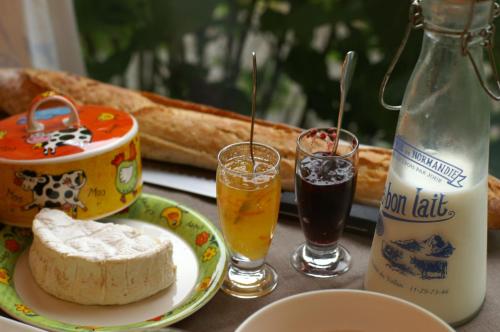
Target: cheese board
<point x="199" y="254"/>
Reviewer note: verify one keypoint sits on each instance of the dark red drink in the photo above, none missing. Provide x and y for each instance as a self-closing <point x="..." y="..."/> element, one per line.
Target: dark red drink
<point x="324" y="189"/>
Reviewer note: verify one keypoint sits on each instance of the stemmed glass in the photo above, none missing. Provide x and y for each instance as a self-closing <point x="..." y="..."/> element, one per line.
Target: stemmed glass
<point x="248" y="199"/>
<point x="324" y="189"/>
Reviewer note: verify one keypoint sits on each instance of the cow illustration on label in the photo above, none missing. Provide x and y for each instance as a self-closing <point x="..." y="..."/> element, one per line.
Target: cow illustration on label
<point x="127" y="174"/>
<point x="53" y="191"/>
<point x="64" y="137"/>
<point x="425" y="259"/>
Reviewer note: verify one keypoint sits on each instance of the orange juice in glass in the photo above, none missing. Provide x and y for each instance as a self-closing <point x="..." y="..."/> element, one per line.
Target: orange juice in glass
<point x="248" y="198"/>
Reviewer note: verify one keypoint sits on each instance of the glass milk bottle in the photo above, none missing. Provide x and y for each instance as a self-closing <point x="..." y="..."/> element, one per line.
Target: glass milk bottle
<point x="430" y="242"/>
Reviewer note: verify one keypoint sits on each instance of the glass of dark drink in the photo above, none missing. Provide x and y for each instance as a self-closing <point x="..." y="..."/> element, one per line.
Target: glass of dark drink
<point x="324" y="188"/>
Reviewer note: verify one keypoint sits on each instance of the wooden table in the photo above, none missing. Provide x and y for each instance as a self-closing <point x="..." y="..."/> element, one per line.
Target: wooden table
<point x="224" y="313"/>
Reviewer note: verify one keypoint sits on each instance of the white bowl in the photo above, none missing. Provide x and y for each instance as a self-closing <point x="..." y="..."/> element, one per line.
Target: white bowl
<point x="343" y="311"/>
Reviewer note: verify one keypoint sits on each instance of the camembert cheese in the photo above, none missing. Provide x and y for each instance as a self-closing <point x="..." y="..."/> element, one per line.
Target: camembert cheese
<point x="88" y="262"/>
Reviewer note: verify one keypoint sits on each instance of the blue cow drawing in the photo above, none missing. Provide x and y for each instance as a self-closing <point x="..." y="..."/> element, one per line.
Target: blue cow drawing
<point x="425" y="259"/>
<point x="430" y="269"/>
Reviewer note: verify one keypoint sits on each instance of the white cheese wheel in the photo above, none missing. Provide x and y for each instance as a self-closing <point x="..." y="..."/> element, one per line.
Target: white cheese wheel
<point x="88" y="262"/>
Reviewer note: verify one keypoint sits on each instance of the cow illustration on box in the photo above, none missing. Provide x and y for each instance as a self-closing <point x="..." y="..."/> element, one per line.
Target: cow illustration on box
<point x="426" y="259"/>
<point x="69" y="136"/>
<point x="53" y="191"/>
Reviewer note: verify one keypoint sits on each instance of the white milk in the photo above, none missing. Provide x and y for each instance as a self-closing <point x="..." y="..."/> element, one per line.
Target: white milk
<point x="430" y="247"/>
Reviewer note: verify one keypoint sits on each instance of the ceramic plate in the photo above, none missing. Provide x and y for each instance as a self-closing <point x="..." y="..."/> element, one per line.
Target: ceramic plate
<point x="199" y="253"/>
<point x="343" y="311"/>
<point x="14" y="326"/>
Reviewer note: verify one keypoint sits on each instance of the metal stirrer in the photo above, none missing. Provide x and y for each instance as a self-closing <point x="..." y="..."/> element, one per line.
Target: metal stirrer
<point x="345" y="82"/>
<point x="254" y="102"/>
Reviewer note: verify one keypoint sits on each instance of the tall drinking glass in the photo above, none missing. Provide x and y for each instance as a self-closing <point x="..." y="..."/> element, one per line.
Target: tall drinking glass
<point x="248" y="199"/>
<point x="324" y="189"/>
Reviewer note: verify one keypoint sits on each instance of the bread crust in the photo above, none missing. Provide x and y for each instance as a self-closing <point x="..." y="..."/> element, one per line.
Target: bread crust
<point x="187" y="133"/>
<point x="372" y="172"/>
<point x="493" y="202"/>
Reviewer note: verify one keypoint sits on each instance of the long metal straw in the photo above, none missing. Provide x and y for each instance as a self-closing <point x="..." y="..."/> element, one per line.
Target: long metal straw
<point x="345" y="82"/>
<point x="254" y="102"/>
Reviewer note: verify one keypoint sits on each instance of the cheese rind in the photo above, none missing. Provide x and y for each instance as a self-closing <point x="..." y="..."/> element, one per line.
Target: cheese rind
<point x="88" y="262"/>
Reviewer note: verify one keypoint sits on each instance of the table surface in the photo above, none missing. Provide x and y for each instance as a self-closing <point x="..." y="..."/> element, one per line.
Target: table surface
<point x="224" y="313"/>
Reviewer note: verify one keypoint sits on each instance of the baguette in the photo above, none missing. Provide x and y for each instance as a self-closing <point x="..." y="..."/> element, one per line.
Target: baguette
<point x="192" y="134"/>
<point x="169" y="132"/>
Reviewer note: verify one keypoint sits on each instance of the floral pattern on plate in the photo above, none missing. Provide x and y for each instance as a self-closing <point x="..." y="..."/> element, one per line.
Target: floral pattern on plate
<point x="201" y="235"/>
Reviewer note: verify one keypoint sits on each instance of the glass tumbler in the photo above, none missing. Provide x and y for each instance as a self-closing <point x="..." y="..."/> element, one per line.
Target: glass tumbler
<point x="248" y="199"/>
<point x="324" y="189"/>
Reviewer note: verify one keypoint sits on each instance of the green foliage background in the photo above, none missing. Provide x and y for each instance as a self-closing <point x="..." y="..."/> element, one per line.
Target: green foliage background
<point x="115" y="33"/>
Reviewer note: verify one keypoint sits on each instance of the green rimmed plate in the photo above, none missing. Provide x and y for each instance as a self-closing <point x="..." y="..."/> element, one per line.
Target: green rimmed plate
<point x="199" y="253"/>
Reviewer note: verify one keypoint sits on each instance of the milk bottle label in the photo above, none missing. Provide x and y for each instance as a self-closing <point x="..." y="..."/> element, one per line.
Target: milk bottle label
<point x="425" y="258"/>
<point x="430" y="233"/>
<point x="435" y="166"/>
<point x="415" y="208"/>
<point x="414" y="197"/>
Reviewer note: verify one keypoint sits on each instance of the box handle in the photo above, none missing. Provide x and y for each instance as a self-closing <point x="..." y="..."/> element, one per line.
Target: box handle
<point x="35" y="126"/>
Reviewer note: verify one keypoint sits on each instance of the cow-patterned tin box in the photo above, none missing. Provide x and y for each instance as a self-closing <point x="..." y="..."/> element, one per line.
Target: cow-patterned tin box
<point x="84" y="160"/>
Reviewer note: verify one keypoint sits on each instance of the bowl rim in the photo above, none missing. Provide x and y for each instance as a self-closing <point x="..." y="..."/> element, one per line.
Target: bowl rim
<point x="292" y="298"/>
